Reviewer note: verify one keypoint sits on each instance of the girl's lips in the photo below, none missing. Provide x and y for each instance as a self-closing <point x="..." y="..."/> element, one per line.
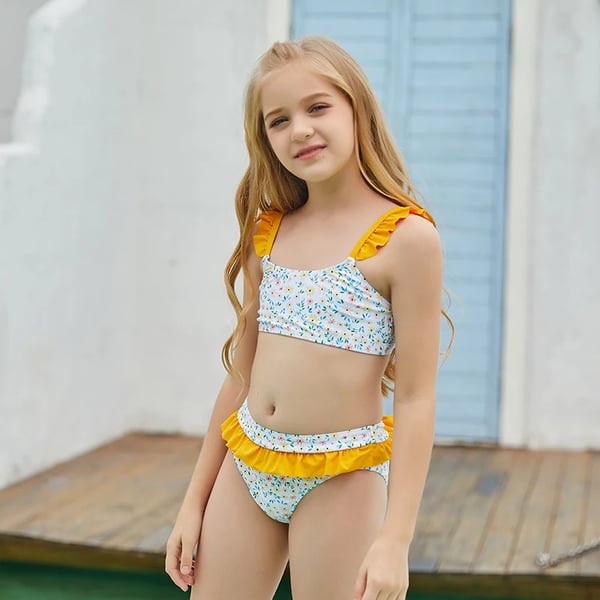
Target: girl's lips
<point x="309" y="152"/>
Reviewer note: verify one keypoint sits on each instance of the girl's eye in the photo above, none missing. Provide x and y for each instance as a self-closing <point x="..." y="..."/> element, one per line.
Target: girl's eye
<point x="318" y="107"/>
<point x="277" y="122"/>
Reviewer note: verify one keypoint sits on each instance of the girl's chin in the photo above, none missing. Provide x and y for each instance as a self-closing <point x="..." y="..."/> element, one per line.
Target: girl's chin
<point x="315" y="176"/>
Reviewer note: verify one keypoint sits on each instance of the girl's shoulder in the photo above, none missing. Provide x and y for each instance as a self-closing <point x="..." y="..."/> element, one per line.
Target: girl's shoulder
<point x="380" y="232"/>
<point x="414" y="247"/>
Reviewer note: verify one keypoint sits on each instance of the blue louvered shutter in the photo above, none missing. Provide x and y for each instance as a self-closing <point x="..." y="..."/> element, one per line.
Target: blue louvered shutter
<point x="440" y="70"/>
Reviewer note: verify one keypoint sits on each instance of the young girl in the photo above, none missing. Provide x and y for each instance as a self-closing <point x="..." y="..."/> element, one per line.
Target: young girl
<point x="342" y="298"/>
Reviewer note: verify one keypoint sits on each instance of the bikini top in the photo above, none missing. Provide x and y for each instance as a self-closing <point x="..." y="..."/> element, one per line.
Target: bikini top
<point x="335" y="306"/>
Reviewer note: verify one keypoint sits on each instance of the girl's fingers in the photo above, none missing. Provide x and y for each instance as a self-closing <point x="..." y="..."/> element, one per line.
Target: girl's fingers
<point x="172" y="569"/>
<point x="187" y="560"/>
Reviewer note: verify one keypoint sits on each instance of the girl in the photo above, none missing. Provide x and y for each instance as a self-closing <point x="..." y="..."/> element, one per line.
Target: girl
<point x="342" y="297"/>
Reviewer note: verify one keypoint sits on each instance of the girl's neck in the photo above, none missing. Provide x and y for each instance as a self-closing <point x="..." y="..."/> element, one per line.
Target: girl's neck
<point x="339" y="193"/>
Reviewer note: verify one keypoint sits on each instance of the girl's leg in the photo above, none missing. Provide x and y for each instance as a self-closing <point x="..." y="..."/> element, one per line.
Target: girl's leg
<point x="330" y="533"/>
<point x="242" y="553"/>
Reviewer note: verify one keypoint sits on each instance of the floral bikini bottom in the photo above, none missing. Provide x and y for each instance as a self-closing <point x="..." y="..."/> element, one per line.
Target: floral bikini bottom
<point x="279" y="469"/>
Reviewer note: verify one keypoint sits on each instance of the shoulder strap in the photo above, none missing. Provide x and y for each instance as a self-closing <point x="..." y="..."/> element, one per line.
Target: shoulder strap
<point x="266" y="231"/>
<point x="379" y="233"/>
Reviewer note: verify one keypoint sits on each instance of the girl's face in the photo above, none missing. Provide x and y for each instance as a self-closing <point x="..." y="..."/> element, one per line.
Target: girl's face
<point x="309" y="123"/>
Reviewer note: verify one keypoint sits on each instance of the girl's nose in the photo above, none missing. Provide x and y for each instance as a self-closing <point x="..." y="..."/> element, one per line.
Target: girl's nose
<point x="301" y="131"/>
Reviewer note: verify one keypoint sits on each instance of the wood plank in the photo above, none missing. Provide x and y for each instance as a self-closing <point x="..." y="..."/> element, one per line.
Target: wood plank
<point x="93" y="464"/>
<point x="531" y="587"/>
<point x="589" y="564"/>
<point x="444" y="463"/>
<point x="77" y="512"/>
<point x="147" y="532"/>
<point x="441" y="483"/>
<point x="488" y="507"/>
<point x="570" y="515"/>
<point x="424" y="552"/>
<point x="539" y="513"/>
<point x="95" y="519"/>
<point x="437" y="527"/>
<point x="99" y="524"/>
<point x="39" y="551"/>
<point x="477" y="504"/>
<point x="519" y="469"/>
<point x="20" y="502"/>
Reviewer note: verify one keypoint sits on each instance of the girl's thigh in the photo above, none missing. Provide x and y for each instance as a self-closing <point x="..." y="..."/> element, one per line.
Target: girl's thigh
<point x="330" y="533"/>
<point x="241" y="553"/>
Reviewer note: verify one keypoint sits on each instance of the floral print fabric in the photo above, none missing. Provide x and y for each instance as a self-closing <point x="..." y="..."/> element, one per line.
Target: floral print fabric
<point x="313" y="443"/>
<point x="335" y="306"/>
<point x="279" y="495"/>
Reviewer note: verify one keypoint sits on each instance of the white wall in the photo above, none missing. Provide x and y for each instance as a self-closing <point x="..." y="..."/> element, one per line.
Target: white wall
<point x="116" y="219"/>
<point x="14" y="15"/>
<point x="551" y="381"/>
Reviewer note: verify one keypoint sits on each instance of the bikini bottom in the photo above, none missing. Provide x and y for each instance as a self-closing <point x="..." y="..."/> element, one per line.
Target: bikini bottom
<point x="279" y="469"/>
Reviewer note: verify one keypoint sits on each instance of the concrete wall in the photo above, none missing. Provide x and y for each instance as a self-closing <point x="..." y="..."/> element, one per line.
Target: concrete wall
<point x="116" y="219"/>
<point x="551" y="382"/>
<point x="14" y="15"/>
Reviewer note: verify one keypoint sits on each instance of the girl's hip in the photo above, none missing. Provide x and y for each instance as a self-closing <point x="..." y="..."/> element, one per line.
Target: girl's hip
<point x="301" y="455"/>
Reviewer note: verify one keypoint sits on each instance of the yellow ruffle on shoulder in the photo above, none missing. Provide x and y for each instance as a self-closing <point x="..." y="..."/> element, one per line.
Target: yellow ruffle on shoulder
<point x="266" y="230"/>
<point x="293" y="464"/>
<point x="378" y="235"/>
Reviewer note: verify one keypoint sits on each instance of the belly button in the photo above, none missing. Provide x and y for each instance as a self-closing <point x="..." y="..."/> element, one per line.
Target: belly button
<point x="271" y="410"/>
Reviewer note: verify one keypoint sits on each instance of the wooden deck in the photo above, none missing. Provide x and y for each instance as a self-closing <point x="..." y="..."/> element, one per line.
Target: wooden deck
<point x="486" y="512"/>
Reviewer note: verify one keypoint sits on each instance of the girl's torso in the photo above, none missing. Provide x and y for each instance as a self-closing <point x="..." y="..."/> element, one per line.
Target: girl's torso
<point x="325" y="325"/>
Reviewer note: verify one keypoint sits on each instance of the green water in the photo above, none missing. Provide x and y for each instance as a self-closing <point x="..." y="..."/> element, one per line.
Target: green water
<point x="39" y="582"/>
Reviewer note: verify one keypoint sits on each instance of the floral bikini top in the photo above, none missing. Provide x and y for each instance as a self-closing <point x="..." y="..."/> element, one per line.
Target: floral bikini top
<point x="335" y="306"/>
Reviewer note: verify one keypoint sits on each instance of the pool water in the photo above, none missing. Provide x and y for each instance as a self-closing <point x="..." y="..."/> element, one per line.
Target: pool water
<point x="20" y="581"/>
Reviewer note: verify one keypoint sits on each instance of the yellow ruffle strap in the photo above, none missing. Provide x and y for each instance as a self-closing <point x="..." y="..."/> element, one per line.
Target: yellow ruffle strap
<point x="293" y="464"/>
<point x="378" y="235"/>
<point x="266" y="230"/>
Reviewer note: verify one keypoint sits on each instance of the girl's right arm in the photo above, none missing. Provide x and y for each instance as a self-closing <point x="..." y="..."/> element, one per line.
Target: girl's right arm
<point x="186" y="530"/>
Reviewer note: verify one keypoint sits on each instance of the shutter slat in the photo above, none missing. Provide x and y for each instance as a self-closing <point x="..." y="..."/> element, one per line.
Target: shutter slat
<point x="440" y="69"/>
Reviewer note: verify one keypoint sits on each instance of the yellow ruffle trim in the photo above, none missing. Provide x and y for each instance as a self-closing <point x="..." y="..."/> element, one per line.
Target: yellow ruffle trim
<point x="293" y="464"/>
<point x="378" y="235"/>
<point x="266" y="230"/>
<point x="374" y="238"/>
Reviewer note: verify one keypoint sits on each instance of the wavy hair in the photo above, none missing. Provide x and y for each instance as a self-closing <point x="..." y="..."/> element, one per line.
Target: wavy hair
<point x="267" y="185"/>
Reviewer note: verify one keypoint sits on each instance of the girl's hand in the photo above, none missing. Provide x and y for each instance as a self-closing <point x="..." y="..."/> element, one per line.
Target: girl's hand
<point x="383" y="574"/>
<point x="179" y="563"/>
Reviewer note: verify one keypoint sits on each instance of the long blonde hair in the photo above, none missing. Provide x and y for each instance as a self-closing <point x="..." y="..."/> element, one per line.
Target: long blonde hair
<point x="267" y="185"/>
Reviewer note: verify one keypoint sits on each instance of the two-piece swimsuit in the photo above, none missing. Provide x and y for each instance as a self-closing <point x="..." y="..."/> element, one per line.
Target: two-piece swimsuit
<point x="335" y="306"/>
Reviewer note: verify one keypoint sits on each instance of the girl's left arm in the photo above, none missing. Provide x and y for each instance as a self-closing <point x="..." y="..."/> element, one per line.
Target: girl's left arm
<point x="415" y="265"/>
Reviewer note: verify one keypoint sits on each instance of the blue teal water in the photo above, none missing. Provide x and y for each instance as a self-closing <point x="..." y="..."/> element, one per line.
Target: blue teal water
<point x="38" y="582"/>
